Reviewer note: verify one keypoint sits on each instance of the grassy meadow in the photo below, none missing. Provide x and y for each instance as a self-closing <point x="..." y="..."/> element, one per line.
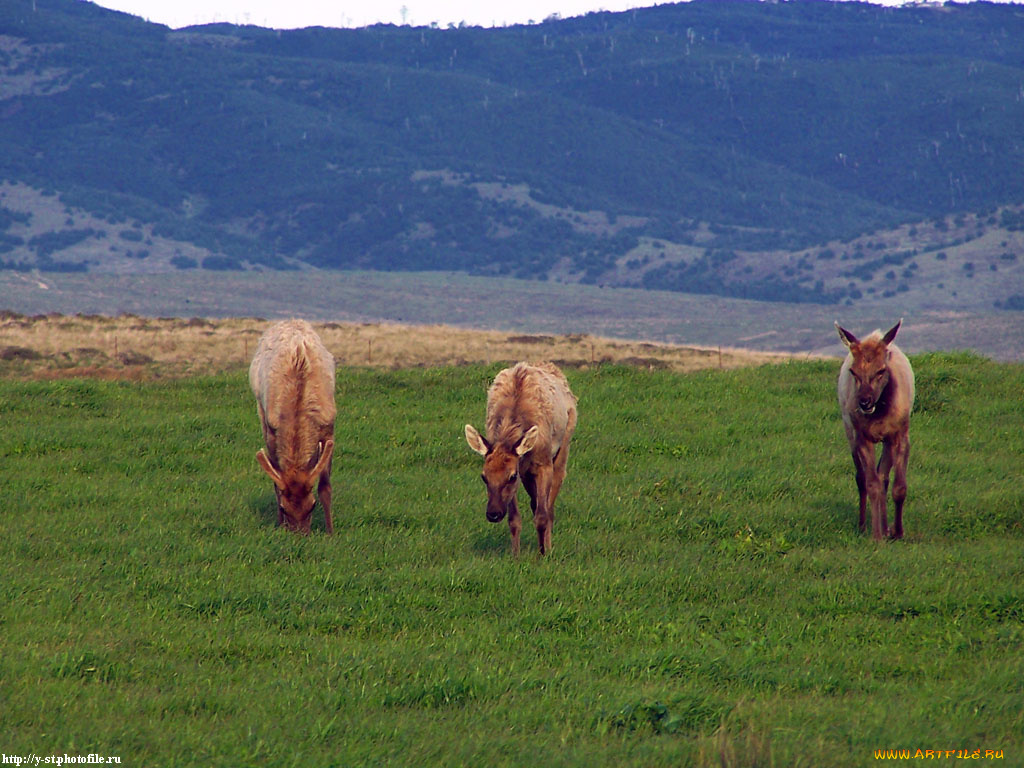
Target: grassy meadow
<point x="709" y="600"/>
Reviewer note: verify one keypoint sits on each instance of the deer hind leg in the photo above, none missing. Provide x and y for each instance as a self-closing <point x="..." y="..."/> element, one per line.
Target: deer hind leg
<point x="900" y="457"/>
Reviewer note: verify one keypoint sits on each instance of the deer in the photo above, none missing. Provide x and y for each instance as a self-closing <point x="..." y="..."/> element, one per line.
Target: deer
<point x="876" y="395"/>
<point x="531" y="417"/>
<point x="292" y="377"/>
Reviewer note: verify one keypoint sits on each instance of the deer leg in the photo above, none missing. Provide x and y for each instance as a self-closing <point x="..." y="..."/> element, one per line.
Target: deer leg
<point x="515" y="524"/>
<point x="885" y="465"/>
<point x="542" y="516"/>
<point x="263" y="422"/>
<point x="324" y="494"/>
<point x="280" y="509"/>
<point x="875" y="491"/>
<point x="530" y="484"/>
<point x="901" y="455"/>
<point x="862" y="492"/>
<point x="558" y="476"/>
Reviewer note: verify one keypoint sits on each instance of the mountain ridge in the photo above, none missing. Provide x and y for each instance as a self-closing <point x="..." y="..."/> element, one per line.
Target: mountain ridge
<point x="735" y="136"/>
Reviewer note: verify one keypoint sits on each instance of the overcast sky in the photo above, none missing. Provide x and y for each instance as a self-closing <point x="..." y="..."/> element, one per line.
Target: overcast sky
<point x="287" y="14"/>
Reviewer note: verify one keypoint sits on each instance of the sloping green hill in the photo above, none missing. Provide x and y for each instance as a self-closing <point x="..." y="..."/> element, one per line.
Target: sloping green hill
<point x="718" y="126"/>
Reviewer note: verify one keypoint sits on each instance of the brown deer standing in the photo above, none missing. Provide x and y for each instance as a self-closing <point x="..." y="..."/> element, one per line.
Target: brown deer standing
<point x="292" y="377"/>
<point x="531" y="416"/>
<point x="876" y="395"/>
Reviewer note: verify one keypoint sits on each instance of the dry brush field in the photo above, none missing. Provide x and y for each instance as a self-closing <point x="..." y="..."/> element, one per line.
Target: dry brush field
<point x="140" y="348"/>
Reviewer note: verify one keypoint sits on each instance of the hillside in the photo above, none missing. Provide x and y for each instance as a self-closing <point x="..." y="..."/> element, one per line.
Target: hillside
<point x="701" y="147"/>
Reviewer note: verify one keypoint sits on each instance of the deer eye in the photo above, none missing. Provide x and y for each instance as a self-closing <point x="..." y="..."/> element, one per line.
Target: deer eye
<point x="513" y="477"/>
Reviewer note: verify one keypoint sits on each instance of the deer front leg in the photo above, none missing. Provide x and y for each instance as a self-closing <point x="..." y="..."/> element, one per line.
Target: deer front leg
<point x="530" y="484"/>
<point x="515" y="524"/>
<point x="280" y="509"/>
<point x="324" y="494"/>
<point x="885" y="465"/>
<point x="900" y="458"/>
<point x="862" y="493"/>
<point x="875" y="490"/>
<point x="543" y="517"/>
<point x="558" y="474"/>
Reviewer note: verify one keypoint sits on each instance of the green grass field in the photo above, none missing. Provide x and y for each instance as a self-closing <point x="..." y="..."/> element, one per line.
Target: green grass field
<point x="708" y="601"/>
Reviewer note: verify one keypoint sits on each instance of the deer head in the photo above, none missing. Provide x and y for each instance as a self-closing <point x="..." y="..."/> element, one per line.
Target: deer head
<point x="295" y="487"/>
<point x="501" y="469"/>
<point x="870" y="368"/>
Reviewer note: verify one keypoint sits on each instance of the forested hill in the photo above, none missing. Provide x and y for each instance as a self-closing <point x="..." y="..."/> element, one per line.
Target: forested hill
<point x="581" y="149"/>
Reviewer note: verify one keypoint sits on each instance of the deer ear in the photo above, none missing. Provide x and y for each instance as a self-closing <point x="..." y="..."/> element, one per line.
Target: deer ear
<point x="325" y="456"/>
<point x="476" y="442"/>
<point x="891" y="333"/>
<point x="528" y="442"/>
<point x="845" y="336"/>
<point x="263" y="461"/>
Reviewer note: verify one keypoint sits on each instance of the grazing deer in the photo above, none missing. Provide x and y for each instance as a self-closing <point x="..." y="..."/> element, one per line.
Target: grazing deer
<point x="531" y="415"/>
<point x="876" y="395"/>
<point x="292" y="377"/>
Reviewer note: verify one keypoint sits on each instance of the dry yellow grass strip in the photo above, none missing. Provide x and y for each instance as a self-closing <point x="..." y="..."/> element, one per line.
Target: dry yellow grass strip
<point x="129" y="346"/>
